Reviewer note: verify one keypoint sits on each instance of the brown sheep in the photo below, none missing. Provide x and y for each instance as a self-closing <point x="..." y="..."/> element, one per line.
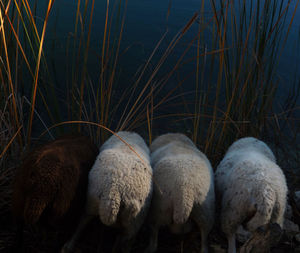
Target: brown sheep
<point x="50" y="186"/>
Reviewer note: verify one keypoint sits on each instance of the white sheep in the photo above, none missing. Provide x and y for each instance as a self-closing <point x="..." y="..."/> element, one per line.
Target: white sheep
<point x="252" y="187"/>
<point x="119" y="189"/>
<point x="183" y="188"/>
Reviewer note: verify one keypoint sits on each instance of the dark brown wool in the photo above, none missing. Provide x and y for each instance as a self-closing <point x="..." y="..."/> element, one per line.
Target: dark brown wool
<point x="51" y="184"/>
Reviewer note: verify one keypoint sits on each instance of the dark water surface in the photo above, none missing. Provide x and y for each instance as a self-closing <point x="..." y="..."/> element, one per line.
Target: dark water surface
<point x="146" y="22"/>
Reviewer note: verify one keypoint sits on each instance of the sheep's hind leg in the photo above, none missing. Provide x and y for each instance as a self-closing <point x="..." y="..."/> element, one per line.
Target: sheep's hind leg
<point x="70" y="245"/>
<point x="231" y="244"/>
<point x="229" y="227"/>
<point x="204" y="235"/>
<point x="203" y="217"/>
<point x="153" y="239"/>
<point x="18" y="245"/>
<point x="204" y="247"/>
<point x="124" y="242"/>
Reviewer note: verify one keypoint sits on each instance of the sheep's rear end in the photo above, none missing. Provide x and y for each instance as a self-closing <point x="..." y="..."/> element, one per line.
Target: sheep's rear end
<point x="183" y="188"/>
<point x="252" y="187"/>
<point x="120" y="189"/>
<point x="50" y="185"/>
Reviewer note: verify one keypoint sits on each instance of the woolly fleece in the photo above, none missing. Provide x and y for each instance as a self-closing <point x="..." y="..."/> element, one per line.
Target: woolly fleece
<point x="52" y="181"/>
<point x="252" y="187"/>
<point x="120" y="178"/>
<point x="183" y="186"/>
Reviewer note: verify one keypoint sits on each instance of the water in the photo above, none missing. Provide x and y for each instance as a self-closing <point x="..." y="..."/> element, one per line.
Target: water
<point x="146" y="22"/>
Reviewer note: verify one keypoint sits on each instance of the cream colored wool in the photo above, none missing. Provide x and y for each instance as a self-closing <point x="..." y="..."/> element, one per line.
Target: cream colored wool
<point x="120" y="188"/>
<point x="183" y="187"/>
<point x="251" y="186"/>
<point x="118" y="177"/>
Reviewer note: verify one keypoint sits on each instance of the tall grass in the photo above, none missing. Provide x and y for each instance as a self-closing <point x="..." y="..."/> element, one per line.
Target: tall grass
<point x="238" y="48"/>
<point x="242" y="101"/>
<point x="34" y="103"/>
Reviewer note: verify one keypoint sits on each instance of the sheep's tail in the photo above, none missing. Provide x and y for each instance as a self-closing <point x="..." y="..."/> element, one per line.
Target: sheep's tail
<point x="263" y="206"/>
<point x="183" y="204"/>
<point x="33" y="210"/>
<point x="110" y="206"/>
<point x="132" y="209"/>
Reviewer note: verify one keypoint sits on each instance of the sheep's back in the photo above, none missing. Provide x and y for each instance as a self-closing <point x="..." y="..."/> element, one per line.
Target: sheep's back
<point x="174" y="149"/>
<point x="246" y="149"/>
<point x="250" y="145"/>
<point x="128" y="169"/>
<point x="135" y="141"/>
<point x="166" y="139"/>
<point x="248" y="169"/>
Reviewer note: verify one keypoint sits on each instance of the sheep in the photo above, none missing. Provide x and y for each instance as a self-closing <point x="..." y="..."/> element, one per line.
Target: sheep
<point x="50" y="185"/>
<point x="252" y="188"/>
<point x="183" y="188"/>
<point x="119" y="189"/>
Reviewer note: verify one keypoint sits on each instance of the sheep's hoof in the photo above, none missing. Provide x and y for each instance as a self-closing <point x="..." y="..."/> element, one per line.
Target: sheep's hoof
<point x="67" y="248"/>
